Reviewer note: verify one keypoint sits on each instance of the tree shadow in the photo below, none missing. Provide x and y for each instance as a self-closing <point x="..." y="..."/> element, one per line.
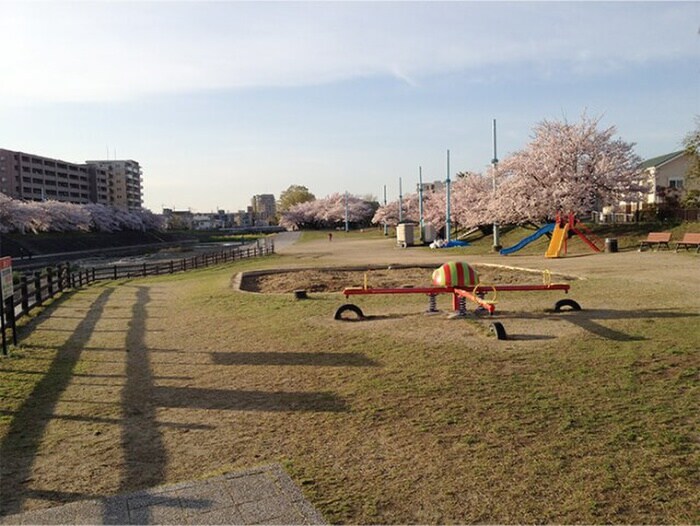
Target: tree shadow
<point x="318" y="359"/>
<point x="32" y="418"/>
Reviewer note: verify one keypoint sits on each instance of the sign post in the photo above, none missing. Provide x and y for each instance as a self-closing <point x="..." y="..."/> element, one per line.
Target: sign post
<point x="6" y="291"/>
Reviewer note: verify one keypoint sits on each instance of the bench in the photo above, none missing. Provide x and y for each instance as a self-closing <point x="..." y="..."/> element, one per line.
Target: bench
<point x="690" y="239"/>
<point x="656" y="239"/>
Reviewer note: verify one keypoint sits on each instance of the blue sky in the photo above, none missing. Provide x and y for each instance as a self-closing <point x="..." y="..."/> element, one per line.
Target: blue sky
<point x="219" y="101"/>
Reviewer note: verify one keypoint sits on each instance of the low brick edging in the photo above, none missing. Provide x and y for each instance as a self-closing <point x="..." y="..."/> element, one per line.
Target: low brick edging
<point x="262" y="495"/>
<point x="238" y="279"/>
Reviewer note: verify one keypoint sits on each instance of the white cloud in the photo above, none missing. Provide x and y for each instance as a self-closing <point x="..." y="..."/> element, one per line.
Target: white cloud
<point x="116" y="51"/>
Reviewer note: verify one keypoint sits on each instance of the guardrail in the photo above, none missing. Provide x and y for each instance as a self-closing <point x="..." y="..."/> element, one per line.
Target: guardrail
<point x="40" y="286"/>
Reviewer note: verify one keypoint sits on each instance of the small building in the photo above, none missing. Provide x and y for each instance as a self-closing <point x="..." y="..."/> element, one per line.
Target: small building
<point x="668" y="183"/>
<point x="178" y="219"/>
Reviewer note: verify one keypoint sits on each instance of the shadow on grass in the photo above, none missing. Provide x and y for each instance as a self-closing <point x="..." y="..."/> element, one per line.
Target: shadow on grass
<point x="31" y="419"/>
<point x="320" y="359"/>
<point x="145" y="455"/>
<point x="239" y="400"/>
<point x="530" y="337"/>
<point x="590" y="320"/>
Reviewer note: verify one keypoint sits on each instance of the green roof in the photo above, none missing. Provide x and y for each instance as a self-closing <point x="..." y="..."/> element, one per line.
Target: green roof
<point x="661" y="159"/>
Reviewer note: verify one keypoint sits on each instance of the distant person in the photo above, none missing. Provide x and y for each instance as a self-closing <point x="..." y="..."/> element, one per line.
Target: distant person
<point x="330" y="236"/>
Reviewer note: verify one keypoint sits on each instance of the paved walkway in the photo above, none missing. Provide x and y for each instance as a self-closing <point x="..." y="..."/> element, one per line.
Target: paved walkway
<point x="264" y="495"/>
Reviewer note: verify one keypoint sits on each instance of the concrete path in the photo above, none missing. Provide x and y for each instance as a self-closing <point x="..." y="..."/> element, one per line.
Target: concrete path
<point x="284" y="240"/>
<point x="264" y="495"/>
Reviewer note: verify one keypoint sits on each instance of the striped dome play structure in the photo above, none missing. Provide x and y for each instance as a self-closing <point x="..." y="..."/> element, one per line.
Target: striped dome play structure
<point x="455" y="274"/>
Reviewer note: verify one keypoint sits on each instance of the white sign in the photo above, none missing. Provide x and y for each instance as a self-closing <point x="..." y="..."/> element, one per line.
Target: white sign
<point x="6" y="277"/>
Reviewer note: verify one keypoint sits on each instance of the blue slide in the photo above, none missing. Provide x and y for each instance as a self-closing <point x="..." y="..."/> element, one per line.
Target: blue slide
<point x="529" y="239"/>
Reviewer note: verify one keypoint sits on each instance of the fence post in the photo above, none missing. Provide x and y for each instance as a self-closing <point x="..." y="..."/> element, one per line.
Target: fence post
<point x="25" y="294"/>
<point x="37" y="288"/>
<point x="93" y="274"/>
<point x="11" y="320"/>
<point x="59" y="277"/>
<point x="144" y="269"/>
<point x="49" y="279"/>
<point x="172" y="266"/>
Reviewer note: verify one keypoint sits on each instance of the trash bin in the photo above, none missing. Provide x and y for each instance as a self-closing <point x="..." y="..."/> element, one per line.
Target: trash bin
<point x="610" y="244"/>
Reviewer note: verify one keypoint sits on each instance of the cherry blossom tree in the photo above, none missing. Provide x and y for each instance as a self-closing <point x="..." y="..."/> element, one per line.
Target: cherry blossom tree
<point x="328" y="212"/>
<point x="58" y="216"/>
<point x="389" y="213"/>
<point x="567" y="167"/>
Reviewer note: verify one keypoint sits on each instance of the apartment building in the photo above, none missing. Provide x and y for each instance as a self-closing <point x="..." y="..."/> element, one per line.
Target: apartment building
<point x="126" y="188"/>
<point x="36" y="178"/>
<point x="33" y="177"/>
<point x="264" y="209"/>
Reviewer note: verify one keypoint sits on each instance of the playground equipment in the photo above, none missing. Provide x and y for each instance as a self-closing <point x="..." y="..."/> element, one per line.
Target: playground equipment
<point x="560" y="231"/>
<point x="560" y="234"/>
<point x="462" y="281"/>
<point x="546" y="229"/>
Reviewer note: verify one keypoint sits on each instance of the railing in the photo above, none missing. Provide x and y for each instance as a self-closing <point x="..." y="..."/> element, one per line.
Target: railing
<point x="37" y="287"/>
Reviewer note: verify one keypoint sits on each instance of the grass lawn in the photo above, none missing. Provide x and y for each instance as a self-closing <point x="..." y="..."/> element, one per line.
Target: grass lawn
<point x="587" y="417"/>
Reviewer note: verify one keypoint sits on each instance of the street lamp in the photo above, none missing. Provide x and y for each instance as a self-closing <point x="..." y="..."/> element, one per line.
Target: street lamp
<point x="494" y="163"/>
<point x="448" y="223"/>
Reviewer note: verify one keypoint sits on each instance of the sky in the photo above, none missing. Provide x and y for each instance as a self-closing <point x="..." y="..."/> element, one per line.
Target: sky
<point x="219" y="101"/>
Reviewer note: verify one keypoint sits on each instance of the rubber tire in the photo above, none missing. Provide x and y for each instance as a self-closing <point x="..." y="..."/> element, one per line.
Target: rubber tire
<point x="559" y="305"/>
<point x="497" y="328"/>
<point x="348" y="307"/>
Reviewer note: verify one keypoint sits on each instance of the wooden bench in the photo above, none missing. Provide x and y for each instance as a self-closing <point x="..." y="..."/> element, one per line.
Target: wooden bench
<point x="690" y="239"/>
<point x="656" y="239"/>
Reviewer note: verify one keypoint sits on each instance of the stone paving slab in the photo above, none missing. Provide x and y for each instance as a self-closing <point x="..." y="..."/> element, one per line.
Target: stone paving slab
<point x="264" y="495"/>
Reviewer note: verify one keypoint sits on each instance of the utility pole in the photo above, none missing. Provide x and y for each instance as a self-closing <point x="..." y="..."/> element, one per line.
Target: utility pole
<point x="400" y="202"/>
<point x="420" y="202"/>
<point x="347" y="226"/>
<point x="448" y="223"/>
<point x="494" y="171"/>
<point x="386" y="226"/>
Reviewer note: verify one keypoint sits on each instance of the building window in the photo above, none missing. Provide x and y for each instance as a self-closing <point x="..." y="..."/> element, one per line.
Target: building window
<point x="675" y="183"/>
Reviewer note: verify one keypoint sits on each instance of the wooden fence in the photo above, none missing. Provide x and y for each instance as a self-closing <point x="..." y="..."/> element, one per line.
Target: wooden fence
<point x="37" y="287"/>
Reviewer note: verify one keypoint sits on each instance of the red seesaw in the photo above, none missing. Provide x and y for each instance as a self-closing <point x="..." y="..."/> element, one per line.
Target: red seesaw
<point x="460" y="280"/>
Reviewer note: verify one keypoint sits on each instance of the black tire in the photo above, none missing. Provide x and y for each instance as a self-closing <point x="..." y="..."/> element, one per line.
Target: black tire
<point x="497" y="328"/>
<point x="349" y="307"/>
<point x="562" y="304"/>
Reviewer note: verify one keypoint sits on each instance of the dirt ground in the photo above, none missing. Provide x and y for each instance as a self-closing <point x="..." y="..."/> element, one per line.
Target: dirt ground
<point x="316" y="280"/>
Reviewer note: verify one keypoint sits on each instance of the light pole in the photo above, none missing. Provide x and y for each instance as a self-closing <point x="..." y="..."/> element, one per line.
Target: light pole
<point x="386" y="226"/>
<point x="494" y="163"/>
<point x="420" y="202"/>
<point x="347" y="226"/>
<point x="400" y="202"/>
<point x="448" y="223"/>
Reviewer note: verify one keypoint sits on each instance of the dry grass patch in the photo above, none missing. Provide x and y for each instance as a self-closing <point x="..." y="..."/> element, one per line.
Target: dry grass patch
<point x="405" y="418"/>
